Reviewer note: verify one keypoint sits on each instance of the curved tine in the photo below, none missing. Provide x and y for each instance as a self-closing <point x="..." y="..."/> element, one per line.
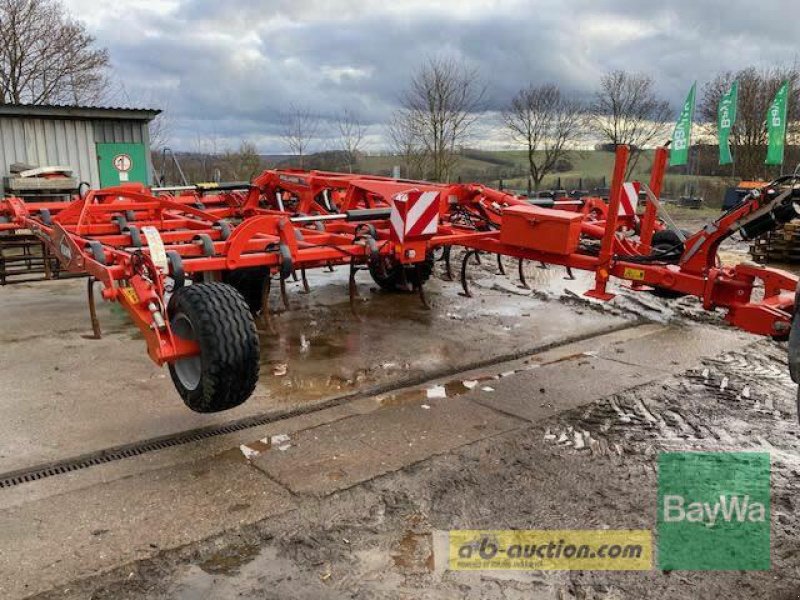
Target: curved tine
<point x="447" y="266"/>
<point x="284" y="295"/>
<point x="265" y="310"/>
<point x="352" y="289"/>
<point x="464" y="272"/>
<point x="500" y="266"/>
<point x="423" y="297"/>
<point x="543" y="265"/>
<point x="306" y="287"/>
<point x="569" y="276"/>
<point x="294" y="275"/>
<point x="330" y="267"/>
<point x="477" y="257"/>
<point x="96" y="333"/>
<point x="520" y="268"/>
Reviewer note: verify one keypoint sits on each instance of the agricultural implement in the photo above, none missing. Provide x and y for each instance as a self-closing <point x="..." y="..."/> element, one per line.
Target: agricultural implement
<point x="194" y="266"/>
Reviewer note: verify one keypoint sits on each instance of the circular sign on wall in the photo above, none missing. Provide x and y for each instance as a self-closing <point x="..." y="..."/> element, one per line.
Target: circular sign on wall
<point x="122" y="163"/>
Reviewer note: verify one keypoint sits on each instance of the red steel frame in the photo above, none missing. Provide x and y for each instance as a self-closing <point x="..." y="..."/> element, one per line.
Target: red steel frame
<point x="207" y="233"/>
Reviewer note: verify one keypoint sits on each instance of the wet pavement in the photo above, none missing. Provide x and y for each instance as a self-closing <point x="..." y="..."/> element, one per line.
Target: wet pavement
<point x="109" y="393"/>
<point x="344" y="501"/>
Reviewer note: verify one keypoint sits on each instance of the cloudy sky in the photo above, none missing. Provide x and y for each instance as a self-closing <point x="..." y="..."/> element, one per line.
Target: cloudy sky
<point x="227" y="69"/>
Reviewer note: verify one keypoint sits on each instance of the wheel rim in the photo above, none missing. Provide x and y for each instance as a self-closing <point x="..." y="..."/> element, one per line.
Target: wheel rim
<point x="189" y="370"/>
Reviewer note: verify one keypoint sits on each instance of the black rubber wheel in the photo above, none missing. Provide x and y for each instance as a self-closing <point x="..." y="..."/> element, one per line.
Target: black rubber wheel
<point x="249" y="282"/>
<point x="225" y="372"/>
<point x="394" y="275"/>
<point x="664" y="241"/>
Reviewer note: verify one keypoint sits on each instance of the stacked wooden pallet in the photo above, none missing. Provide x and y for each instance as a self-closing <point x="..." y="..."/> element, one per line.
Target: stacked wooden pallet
<point x="782" y="245"/>
<point x="23" y="257"/>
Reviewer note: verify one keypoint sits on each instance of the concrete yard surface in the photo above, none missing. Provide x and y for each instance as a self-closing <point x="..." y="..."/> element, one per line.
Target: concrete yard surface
<point x="373" y="436"/>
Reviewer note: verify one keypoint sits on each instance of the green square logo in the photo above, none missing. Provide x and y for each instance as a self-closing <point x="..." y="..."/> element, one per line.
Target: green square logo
<point x="714" y="511"/>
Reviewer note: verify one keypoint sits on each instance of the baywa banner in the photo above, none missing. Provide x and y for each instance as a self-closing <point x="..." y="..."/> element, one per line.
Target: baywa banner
<point x="682" y="135"/>
<point x="726" y="119"/>
<point x="776" y="125"/>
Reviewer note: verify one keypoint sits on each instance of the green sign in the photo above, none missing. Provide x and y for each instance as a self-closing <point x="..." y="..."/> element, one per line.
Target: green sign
<point x="776" y="125"/>
<point x="121" y="163"/>
<point x="713" y="511"/>
<point x="682" y="135"/>
<point x="726" y="118"/>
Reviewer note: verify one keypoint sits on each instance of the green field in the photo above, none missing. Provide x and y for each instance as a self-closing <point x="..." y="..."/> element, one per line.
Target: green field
<point x="589" y="169"/>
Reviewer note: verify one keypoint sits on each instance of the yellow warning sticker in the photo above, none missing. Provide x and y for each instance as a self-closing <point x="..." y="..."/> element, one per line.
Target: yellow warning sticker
<point x="635" y="274"/>
<point x="130" y="295"/>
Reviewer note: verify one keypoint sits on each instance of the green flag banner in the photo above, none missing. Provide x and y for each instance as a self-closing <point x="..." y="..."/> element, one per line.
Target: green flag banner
<point x="776" y="125"/>
<point x="682" y="135"/>
<point x="726" y="118"/>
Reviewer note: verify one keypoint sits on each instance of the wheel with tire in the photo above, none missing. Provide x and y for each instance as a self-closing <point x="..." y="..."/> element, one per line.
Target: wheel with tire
<point x="249" y="282"/>
<point x="667" y="241"/>
<point x="217" y="318"/>
<point x="392" y="275"/>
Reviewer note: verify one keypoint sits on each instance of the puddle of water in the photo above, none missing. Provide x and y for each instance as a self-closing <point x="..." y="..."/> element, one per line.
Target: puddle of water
<point x="229" y="560"/>
<point x="458" y="387"/>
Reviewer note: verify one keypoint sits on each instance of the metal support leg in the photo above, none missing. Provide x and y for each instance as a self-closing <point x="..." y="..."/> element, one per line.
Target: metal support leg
<point x="306" y="287"/>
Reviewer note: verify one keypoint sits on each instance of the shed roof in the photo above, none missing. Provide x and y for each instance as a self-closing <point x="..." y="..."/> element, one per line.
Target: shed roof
<point x="77" y="112"/>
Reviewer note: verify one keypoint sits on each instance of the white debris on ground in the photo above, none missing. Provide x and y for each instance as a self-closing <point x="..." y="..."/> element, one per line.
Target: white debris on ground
<point x="436" y="392"/>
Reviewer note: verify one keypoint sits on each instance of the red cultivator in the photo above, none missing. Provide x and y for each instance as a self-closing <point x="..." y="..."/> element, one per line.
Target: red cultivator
<point x="192" y="269"/>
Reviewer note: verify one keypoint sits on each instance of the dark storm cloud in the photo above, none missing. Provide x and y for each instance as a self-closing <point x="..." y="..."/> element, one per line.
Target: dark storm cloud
<point x="231" y="68"/>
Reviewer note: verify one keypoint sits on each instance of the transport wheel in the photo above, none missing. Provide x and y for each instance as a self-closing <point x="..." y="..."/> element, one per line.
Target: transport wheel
<point x="663" y="241"/>
<point x="249" y="283"/>
<point x="395" y="275"/>
<point x="225" y="372"/>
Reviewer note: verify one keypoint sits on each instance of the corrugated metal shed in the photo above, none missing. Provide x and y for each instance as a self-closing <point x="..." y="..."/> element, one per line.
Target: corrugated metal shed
<point x="66" y="135"/>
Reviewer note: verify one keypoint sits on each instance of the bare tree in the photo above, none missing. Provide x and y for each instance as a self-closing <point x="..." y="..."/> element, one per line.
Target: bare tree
<point x="46" y="56"/>
<point x="546" y="122"/>
<point x="299" y="131"/>
<point x="757" y="88"/>
<point x="626" y="110"/>
<point x="243" y="163"/>
<point x="351" y="136"/>
<point x="406" y="142"/>
<point x="442" y="103"/>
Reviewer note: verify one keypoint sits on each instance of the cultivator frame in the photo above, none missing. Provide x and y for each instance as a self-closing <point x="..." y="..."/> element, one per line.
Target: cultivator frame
<point x="144" y="245"/>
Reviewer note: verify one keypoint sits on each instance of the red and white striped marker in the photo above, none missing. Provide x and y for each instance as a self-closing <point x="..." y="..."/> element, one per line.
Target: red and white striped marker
<point x="630" y="198"/>
<point x="414" y="214"/>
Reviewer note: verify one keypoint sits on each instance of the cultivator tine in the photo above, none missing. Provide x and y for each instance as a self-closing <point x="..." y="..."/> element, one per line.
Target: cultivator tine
<point x="306" y="287"/>
<point x="284" y="295"/>
<point x="96" y="333"/>
<point x="265" y="311"/>
<point x="423" y="298"/>
<point x="330" y="267"/>
<point x="500" y="266"/>
<point x="521" y="270"/>
<point x="294" y="275"/>
<point x="352" y="289"/>
<point x="569" y="276"/>
<point x="447" y="266"/>
<point x="464" y="262"/>
<point x="543" y="265"/>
